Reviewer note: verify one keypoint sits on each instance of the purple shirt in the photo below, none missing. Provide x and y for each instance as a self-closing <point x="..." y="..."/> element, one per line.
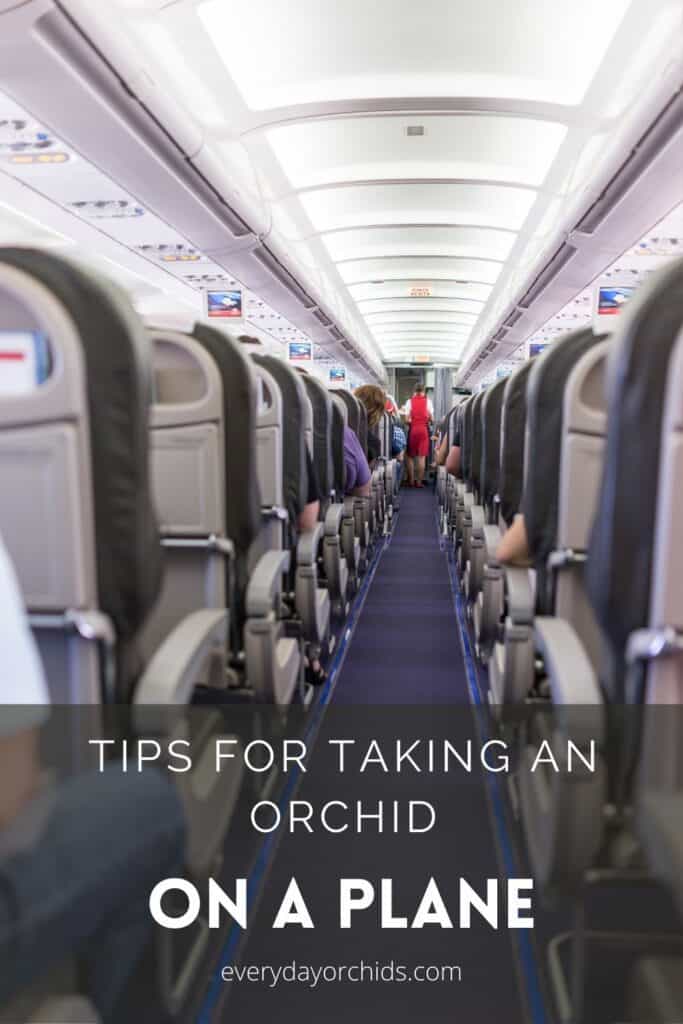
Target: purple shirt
<point x="357" y="469"/>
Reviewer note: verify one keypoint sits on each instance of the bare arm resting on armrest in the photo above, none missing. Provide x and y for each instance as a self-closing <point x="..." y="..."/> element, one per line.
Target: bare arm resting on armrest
<point x="453" y="461"/>
<point x="514" y="546"/>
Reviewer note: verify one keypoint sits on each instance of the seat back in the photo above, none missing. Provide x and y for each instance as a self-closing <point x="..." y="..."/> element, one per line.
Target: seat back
<point x="582" y="455"/>
<point x="193" y="493"/>
<point x="476" y="433"/>
<point x="321" y="404"/>
<point x="512" y="441"/>
<point x="466" y="437"/>
<point x="385" y="431"/>
<point x="297" y="433"/>
<point x="621" y="551"/>
<point x="77" y="512"/>
<point x="338" y="423"/>
<point x="490" y="447"/>
<point x="544" y="424"/>
<point x="356" y="418"/>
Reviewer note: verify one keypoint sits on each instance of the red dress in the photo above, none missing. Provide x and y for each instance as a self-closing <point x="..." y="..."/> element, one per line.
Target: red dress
<point x="418" y="438"/>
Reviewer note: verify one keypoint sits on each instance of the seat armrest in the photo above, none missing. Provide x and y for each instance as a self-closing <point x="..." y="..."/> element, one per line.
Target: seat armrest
<point x="478" y="518"/>
<point x="333" y="519"/>
<point x="69" y="1009"/>
<point x="348" y="506"/>
<point x="308" y="544"/>
<point x="574" y="688"/>
<point x="172" y="673"/>
<point x="266" y="582"/>
<point x="520" y="595"/>
<point x="492" y="537"/>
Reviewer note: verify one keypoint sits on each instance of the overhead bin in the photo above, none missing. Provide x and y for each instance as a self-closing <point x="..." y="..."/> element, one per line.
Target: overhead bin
<point x="92" y="93"/>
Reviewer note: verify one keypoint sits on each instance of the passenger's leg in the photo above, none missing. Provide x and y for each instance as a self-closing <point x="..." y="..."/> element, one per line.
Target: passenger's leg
<point x="410" y="469"/>
<point x="83" y="889"/>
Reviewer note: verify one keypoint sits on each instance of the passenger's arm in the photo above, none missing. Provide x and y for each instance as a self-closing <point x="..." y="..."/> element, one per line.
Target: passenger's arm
<point x="19" y="773"/>
<point x="514" y="546"/>
<point x="442" y="452"/>
<point x="309" y="517"/>
<point x="453" y="461"/>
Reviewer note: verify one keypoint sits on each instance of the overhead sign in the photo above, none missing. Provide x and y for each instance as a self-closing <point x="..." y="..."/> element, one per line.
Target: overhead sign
<point x="420" y="292"/>
<point x="300" y="351"/>
<point x="536" y="347"/>
<point x="337" y="374"/>
<point x="422" y="359"/>
<point x="224" y="304"/>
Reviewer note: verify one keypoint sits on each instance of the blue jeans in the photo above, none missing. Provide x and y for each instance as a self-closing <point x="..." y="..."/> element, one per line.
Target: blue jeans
<point x="83" y="890"/>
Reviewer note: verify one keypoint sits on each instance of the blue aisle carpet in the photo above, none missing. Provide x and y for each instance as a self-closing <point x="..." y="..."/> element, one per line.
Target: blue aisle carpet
<point x="403" y="677"/>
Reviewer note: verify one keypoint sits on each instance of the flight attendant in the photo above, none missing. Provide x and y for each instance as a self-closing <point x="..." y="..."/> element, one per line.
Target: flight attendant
<point x="419" y="415"/>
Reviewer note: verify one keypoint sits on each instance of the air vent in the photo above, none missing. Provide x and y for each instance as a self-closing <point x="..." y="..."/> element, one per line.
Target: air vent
<point x="414" y="130"/>
<point x="266" y="258"/>
<point x="650" y="144"/>
<point x="552" y="268"/>
<point x="324" y="320"/>
<point x="514" y="317"/>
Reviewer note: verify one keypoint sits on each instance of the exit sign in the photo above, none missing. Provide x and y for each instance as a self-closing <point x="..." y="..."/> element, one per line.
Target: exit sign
<point x="420" y="292"/>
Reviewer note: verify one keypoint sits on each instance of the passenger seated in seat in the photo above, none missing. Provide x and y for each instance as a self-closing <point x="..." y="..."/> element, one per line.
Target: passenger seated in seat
<point x="513" y="548"/>
<point x="77" y="859"/>
<point x="449" y="456"/>
<point x="374" y="400"/>
<point x="357" y="479"/>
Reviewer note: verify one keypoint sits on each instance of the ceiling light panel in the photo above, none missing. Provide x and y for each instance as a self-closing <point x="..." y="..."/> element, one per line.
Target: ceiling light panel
<point x="512" y="149"/>
<point x="369" y="243"/>
<point x="403" y="288"/>
<point x="315" y="52"/>
<point x="354" y="206"/>
<point x="419" y="306"/>
<point x="419" y="267"/>
<point x="398" y="317"/>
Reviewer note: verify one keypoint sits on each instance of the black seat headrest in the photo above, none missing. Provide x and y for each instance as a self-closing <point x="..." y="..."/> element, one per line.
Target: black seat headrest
<point x="294" y="472"/>
<point x="338" y="450"/>
<point x="490" y="450"/>
<point x="322" y="431"/>
<point x="476" y="440"/>
<point x="240" y="397"/>
<point x="117" y="360"/>
<point x="620" y="559"/>
<point x="466" y="437"/>
<point x="513" y="435"/>
<point x="354" y="410"/>
<point x="545" y="394"/>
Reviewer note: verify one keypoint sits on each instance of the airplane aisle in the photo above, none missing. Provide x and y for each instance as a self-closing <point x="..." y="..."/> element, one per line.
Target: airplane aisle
<point x="406" y="656"/>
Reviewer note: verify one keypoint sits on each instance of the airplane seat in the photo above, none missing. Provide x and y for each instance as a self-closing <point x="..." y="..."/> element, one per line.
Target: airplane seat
<point x="486" y="537"/>
<point x="485" y="533"/>
<point x="632" y="579"/>
<point x="389" y="475"/>
<point x="512" y="661"/>
<point x="360" y="508"/>
<point x="444" y="429"/>
<point x="464" y="494"/>
<point x="633" y="572"/>
<point x="79" y="520"/>
<point x="490" y="608"/>
<point x="311" y="601"/>
<point x="351" y="543"/>
<point x="453" y="486"/>
<point x="332" y="509"/>
<point x="473" y="513"/>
